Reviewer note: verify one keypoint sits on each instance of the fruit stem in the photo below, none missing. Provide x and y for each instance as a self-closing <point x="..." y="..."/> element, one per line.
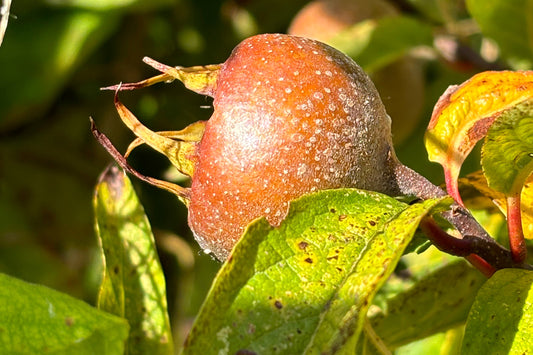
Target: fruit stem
<point x="517" y="242"/>
<point x="181" y="192"/>
<point x="479" y="242"/>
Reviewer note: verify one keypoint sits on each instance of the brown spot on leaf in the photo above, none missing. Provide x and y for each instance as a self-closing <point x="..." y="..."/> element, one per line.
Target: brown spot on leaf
<point x="303" y="245"/>
<point x="342" y="217"/>
<point x="245" y="352"/>
<point x="480" y="129"/>
<point x="278" y="304"/>
<point x="251" y="328"/>
<point x="308" y="260"/>
<point x="69" y="321"/>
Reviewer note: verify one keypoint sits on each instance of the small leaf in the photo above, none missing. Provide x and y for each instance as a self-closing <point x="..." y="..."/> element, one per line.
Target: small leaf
<point x="507" y="154"/>
<point x="501" y="318"/>
<point x="38" y="320"/>
<point x="133" y="285"/>
<point x="464" y="113"/>
<point x="510" y="24"/>
<point x="306" y="285"/>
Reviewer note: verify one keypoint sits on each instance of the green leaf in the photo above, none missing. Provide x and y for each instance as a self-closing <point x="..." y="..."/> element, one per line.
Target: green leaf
<point x="464" y="113"/>
<point x="369" y="42"/>
<point x="507" y="154"/>
<point x="306" y="285"/>
<point x="437" y="302"/>
<point x="133" y="284"/>
<point x="501" y="318"/>
<point x="510" y="24"/>
<point x="38" y="320"/>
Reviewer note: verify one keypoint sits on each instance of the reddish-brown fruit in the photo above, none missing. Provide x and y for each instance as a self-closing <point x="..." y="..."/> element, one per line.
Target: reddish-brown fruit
<point x="292" y="115"/>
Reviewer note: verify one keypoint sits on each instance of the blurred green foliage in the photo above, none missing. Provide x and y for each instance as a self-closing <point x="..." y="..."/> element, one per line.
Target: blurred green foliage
<point x="55" y="56"/>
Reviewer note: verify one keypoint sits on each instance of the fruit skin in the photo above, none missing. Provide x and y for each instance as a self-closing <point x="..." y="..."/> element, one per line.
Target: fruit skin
<point x="291" y="116"/>
<point x="400" y="83"/>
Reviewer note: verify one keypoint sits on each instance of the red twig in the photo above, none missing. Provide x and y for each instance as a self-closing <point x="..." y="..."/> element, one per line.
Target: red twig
<point x="517" y="242"/>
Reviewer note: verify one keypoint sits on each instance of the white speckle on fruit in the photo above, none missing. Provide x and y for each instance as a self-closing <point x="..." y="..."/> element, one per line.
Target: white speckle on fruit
<point x="327" y="90"/>
<point x="297" y="137"/>
<point x="302" y="168"/>
<point x="319" y="122"/>
<point x="332" y="107"/>
<point x="328" y="73"/>
<point x="318" y="72"/>
<point x="329" y="58"/>
<point x="288" y="90"/>
<point x="296" y="73"/>
<point x="318" y="95"/>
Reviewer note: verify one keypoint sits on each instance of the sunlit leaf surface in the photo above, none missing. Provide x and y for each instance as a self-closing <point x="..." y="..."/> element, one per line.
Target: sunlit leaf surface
<point x="37" y="320"/>
<point x="133" y="285"/>
<point x="501" y="318"/>
<point x="306" y="285"/>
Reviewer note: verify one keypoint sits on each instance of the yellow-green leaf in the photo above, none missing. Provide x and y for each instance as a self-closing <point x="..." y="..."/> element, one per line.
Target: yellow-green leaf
<point x="305" y="286"/>
<point x="37" y="320"/>
<point x="464" y="113"/>
<point x="501" y="318"/>
<point x="133" y="283"/>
